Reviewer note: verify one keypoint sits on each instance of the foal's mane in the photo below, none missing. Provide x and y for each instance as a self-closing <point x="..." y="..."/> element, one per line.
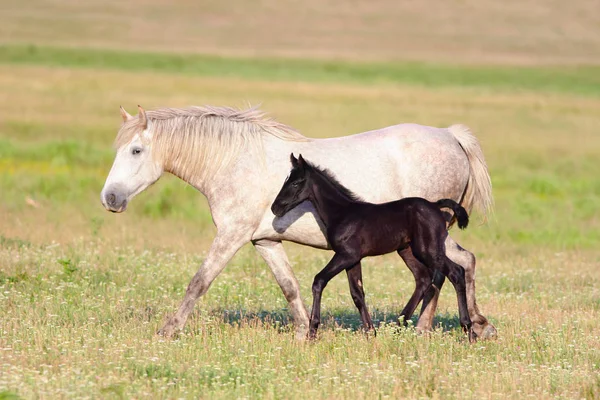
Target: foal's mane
<point x="198" y="141"/>
<point x="330" y="177"/>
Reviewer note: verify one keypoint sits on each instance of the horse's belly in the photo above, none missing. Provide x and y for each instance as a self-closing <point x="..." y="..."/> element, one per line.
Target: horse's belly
<point x="299" y="225"/>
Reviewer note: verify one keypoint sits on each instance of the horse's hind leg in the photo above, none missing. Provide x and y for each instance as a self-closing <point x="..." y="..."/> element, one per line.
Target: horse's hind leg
<point x="466" y="259"/>
<point x="358" y="295"/>
<point x="423" y="281"/>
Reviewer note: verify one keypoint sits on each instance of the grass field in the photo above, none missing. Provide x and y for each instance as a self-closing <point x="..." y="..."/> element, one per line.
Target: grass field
<point x="82" y="291"/>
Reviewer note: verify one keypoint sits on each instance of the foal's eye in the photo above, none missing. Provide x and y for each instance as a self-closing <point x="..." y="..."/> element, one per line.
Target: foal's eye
<point x="296" y="184"/>
<point x="136" y="151"/>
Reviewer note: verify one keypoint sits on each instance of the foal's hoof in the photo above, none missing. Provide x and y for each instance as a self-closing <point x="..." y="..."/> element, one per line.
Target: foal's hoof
<point x="312" y="336"/>
<point x="370" y="333"/>
<point x="485" y="331"/>
<point x="472" y="336"/>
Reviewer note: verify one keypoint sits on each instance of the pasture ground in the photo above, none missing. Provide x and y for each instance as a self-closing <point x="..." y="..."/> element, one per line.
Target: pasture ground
<point x="83" y="291"/>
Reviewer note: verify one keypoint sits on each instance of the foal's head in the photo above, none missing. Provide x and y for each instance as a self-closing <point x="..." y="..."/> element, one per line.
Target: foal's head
<point x="295" y="189"/>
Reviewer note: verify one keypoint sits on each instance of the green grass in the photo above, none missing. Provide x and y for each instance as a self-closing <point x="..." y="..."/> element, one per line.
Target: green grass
<point x="90" y="313"/>
<point x="82" y="291"/>
<point x="577" y="80"/>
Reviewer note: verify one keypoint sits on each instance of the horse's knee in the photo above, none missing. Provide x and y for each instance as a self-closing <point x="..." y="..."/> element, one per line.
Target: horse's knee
<point x="289" y="288"/>
<point x="469" y="260"/>
<point x="457" y="275"/>
<point x="461" y="256"/>
<point x="198" y="286"/>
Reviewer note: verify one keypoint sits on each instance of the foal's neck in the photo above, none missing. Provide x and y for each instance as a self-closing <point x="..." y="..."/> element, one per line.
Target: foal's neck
<point x="329" y="202"/>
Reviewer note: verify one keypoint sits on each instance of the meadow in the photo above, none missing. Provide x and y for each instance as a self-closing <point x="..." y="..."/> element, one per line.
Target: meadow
<point x="82" y="291"/>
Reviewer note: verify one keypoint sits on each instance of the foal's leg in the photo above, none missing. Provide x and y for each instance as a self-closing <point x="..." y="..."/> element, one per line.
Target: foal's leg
<point x="465" y="258"/>
<point x="430" y="300"/>
<point x="338" y="263"/>
<point x="481" y="326"/>
<point x="274" y="254"/>
<point x="422" y="276"/>
<point x="428" y="247"/>
<point x="358" y="295"/>
<point x="430" y="290"/>
<point x="222" y="249"/>
<point x="456" y="275"/>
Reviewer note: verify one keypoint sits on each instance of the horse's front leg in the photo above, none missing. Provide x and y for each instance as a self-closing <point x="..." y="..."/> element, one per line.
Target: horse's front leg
<point x="274" y="255"/>
<point x="223" y="248"/>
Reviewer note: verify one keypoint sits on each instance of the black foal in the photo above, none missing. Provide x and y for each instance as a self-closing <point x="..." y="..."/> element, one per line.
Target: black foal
<point x="356" y="229"/>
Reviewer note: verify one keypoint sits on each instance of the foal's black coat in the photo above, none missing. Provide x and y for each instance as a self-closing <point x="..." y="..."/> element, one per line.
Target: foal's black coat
<point x="356" y="229"/>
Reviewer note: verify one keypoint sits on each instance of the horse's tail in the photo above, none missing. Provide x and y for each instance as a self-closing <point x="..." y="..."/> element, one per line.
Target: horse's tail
<point x="478" y="192"/>
<point x="459" y="211"/>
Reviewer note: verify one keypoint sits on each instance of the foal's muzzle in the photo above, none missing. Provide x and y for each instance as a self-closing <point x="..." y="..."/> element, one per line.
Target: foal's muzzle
<point x="278" y="209"/>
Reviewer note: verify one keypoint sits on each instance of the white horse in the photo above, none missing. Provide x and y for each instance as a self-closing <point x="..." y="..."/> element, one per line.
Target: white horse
<point x="239" y="160"/>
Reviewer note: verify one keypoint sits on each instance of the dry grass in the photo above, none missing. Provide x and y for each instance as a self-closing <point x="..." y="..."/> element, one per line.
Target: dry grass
<point x="83" y="291"/>
<point x="513" y="32"/>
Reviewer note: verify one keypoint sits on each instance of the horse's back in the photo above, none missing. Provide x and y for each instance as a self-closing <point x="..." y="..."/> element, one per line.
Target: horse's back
<point x="406" y="160"/>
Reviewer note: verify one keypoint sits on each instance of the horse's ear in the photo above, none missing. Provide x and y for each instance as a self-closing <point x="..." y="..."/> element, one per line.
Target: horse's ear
<point x="142" y="117"/>
<point x="294" y="160"/>
<point x="301" y="162"/>
<point x="124" y="114"/>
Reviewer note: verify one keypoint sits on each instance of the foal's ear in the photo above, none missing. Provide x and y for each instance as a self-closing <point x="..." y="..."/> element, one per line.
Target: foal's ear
<point x="294" y="160"/>
<point x="301" y="161"/>
<point x="124" y="114"/>
<point x="142" y="117"/>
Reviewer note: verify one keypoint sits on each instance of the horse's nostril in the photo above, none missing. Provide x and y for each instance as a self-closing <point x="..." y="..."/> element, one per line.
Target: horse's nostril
<point x="111" y="199"/>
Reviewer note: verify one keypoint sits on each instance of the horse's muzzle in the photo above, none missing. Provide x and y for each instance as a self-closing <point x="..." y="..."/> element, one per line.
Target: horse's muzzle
<point x="113" y="201"/>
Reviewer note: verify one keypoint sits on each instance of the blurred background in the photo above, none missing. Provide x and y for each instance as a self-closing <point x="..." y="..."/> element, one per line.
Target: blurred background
<point x="82" y="291"/>
<point x="523" y="75"/>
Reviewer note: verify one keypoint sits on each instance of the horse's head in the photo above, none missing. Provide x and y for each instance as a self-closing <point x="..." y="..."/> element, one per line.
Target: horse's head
<point x="295" y="189"/>
<point x="134" y="168"/>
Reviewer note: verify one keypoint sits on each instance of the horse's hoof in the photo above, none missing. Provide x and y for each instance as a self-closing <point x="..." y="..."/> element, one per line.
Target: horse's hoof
<point x="423" y="330"/>
<point x="489" y="332"/>
<point x="167" y="331"/>
<point x="485" y="331"/>
<point x="301" y="333"/>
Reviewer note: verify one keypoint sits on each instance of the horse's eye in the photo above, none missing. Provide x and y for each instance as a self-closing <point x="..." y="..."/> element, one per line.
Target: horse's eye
<point x="296" y="184"/>
<point x="136" y="151"/>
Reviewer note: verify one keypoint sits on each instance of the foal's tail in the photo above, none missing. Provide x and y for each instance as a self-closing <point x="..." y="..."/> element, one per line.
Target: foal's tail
<point x="459" y="211"/>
